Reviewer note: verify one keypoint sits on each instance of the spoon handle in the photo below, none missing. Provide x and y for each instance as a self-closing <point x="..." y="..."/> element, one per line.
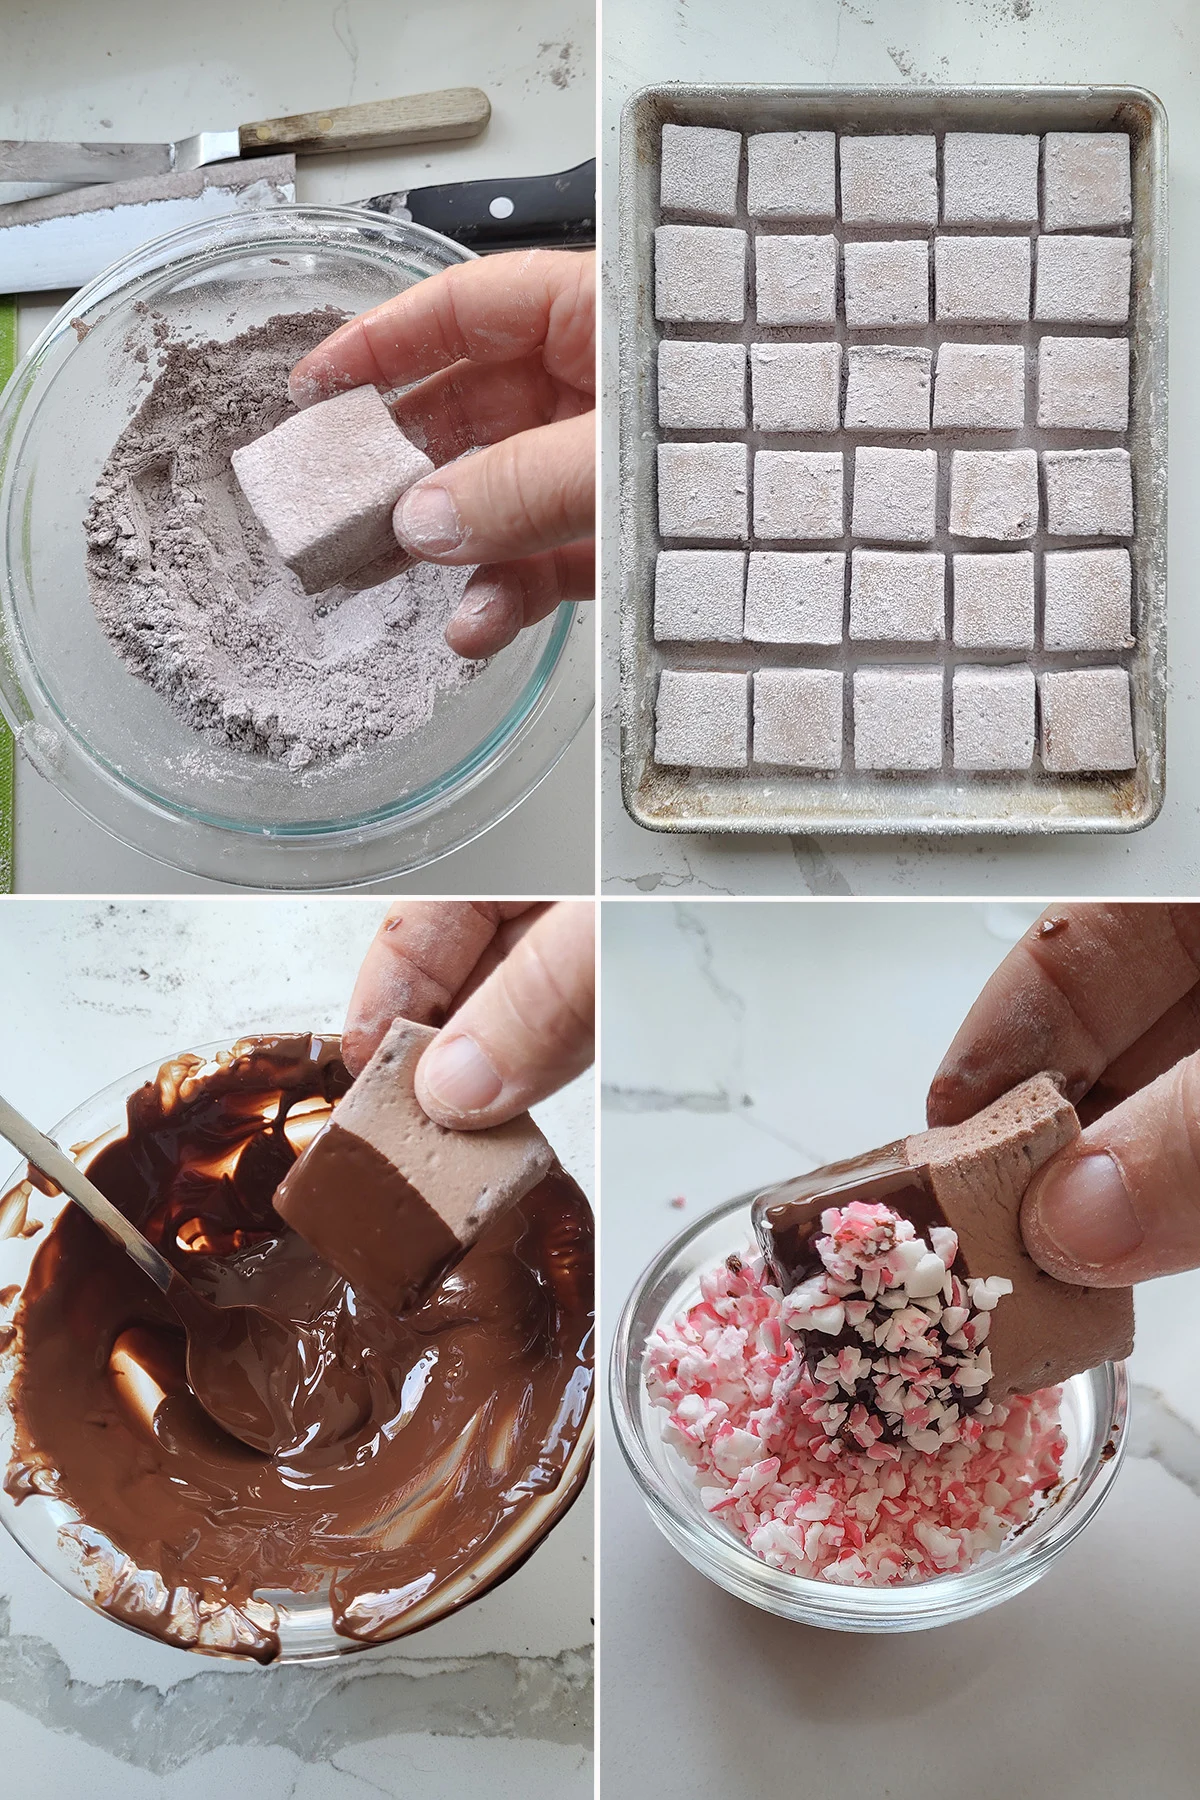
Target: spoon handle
<point x="45" y="1155"/>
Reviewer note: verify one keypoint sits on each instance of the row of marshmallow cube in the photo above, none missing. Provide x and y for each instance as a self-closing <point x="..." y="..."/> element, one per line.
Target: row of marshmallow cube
<point x="988" y="177"/>
<point x="700" y="278"/>
<point x="799" y="597"/>
<point x="1082" y="385"/>
<point x="799" y="495"/>
<point x="702" y="719"/>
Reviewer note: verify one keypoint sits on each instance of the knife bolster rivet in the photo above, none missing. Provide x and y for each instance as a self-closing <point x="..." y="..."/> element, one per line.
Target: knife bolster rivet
<point x="501" y="207"/>
<point x="324" y="123"/>
<point x="263" y="133"/>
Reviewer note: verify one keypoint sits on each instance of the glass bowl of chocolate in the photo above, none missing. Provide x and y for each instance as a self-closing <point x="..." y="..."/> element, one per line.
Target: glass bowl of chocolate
<point x="443" y="1444"/>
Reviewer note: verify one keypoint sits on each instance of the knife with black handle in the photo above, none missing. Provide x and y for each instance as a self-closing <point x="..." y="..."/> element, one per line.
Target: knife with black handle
<point x="555" y="212"/>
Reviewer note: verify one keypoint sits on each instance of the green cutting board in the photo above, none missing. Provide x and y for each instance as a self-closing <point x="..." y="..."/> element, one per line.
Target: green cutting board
<point x="8" y="358"/>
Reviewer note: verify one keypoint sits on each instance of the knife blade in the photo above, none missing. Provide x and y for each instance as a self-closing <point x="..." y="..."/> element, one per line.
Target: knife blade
<point x="513" y="213"/>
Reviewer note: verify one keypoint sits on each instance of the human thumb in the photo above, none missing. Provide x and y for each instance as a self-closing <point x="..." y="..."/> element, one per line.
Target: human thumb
<point x="524" y="1033"/>
<point x="1122" y="1203"/>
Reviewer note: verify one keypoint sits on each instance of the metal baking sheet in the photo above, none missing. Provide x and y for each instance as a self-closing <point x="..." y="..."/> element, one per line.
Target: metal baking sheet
<point x="849" y="800"/>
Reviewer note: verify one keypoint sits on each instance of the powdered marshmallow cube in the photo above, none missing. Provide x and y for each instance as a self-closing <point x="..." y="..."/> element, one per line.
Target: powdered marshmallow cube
<point x="889" y="180"/>
<point x="1086" y="180"/>
<point x="989" y="178"/>
<point x="1089" y="493"/>
<point x="701" y="387"/>
<point x="1088" y="600"/>
<point x="981" y="279"/>
<point x="703" y="490"/>
<point x="898" y="596"/>
<point x="790" y="175"/>
<point x="698" y="595"/>
<point x="699" y="170"/>
<point x="898" y="718"/>
<point x="895" y="495"/>
<point x="1084" y="279"/>
<point x="886" y="283"/>
<point x="980" y="387"/>
<point x="994" y="494"/>
<point x="795" y="280"/>
<point x="324" y="483"/>
<point x="798" y="718"/>
<point x="699" y="274"/>
<point x="795" y="596"/>
<point x="993" y="600"/>
<point x="887" y="388"/>
<point x="702" y="720"/>
<point x="1083" y="383"/>
<point x="994" y="714"/>
<point x="1087" y="721"/>
<point x="796" y="387"/>
<point x="798" y="494"/>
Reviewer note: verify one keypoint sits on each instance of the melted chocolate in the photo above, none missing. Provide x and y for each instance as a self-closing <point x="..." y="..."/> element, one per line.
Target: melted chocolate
<point x="415" y="1442"/>
<point x="787" y="1218"/>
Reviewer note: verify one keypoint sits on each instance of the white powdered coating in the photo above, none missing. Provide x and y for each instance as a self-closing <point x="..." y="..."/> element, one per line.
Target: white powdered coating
<point x="895" y="495"/>
<point x="889" y="180"/>
<point x="699" y="171"/>
<point x="979" y="387"/>
<point x="994" y="494"/>
<point x="887" y="283"/>
<point x="790" y="174"/>
<point x="989" y="178"/>
<point x="795" y="280"/>
<point x="898" y="596"/>
<point x="1086" y="721"/>
<point x="700" y="274"/>
<point x="795" y="596"/>
<point x="702" y="720"/>
<point x="701" y="387"/>
<point x="898" y="718"/>
<point x="703" y="491"/>
<point x="796" y="387"/>
<point x="1083" y="280"/>
<point x="1087" y="600"/>
<point x="798" y="718"/>
<point x="993" y="600"/>
<point x="994" y="711"/>
<point x="1089" y="493"/>
<point x="698" y="596"/>
<point x="982" y="280"/>
<point x="798" y="494"/>
<point x="887" y="387"/>
<point x="1083" y="383"/>
<point x="195" y="601"/>
<point x="1085" y="180"/>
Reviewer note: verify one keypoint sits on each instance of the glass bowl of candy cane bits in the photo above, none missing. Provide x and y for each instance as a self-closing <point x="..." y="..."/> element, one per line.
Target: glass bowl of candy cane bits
<point x="728" y="1434"/>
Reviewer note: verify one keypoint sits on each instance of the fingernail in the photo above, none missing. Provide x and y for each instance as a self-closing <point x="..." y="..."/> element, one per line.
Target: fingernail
<point x="426" y="520"/>
<point x="457" y="1076"/>
<point x="1083" y="1210"/>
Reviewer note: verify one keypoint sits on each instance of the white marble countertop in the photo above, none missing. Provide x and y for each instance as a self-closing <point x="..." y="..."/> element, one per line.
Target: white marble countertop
<point x="119" y="69"/>
<point x="500" y="1695"/>
<point x="744" y="1043"/>
<point x="923" y="42"/>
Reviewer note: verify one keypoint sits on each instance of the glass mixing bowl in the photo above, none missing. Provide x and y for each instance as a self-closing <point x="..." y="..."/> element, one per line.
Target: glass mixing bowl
<point x="107" y="740"/>
<point x="1094" y="1418"/>
<point x="305" y="1622"/>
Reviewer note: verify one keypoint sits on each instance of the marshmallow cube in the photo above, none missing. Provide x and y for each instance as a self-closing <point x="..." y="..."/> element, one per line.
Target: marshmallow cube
<point x="795" y="596"/>
<point x="790" y="175"/>
<point x="701" y="387"/>
<point x="1087" y="721"/>
<point x="994" y="712"/>
<point x="795" y="280"/>
<point x="981" y="280"/>
<point x="703" y="490"/>
<point x="702" y="720"/>
<point x="796" y="387"/>
<point x="1089" y="493"/>
<point x="895" y="495"/>
<point x="324" y="483"/>
<point x="798" y="494"/>
<point x="980" y="387"/>
<point x="989" y="178"/>
<point x="798" y="718"/>
<point x="699" y="170"/>
<point x="994" y="494"/>
<point x="698" y="596"/>
<point x="889" y="180"/>
<point x="1083" y="383"/>
<point x="1085" y="180"/>
<point x="887" y="388"/>
<point x="898" y="596"/>
<point x="1083" y="279"/>
<point x="699" y="274"/>
<point x="1088" y="600"/>
<point x="886" y="284"/>
<point x="898" y="718"/>
<point x="993" y="601"/>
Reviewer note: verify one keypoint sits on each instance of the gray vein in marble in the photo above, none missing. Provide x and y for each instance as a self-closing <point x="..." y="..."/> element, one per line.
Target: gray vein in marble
<point x="818" y="873"/>
<point x="1159" y="1433"/>
<point x="313" y="1711"/>
<point x="661" y="1100"/>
